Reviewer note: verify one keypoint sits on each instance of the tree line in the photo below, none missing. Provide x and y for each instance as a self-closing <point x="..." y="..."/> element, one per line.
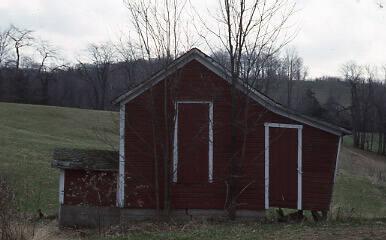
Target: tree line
<point x="33" y="71"/>
<point x="250" y="42"/>
<point x="368" y="106"/>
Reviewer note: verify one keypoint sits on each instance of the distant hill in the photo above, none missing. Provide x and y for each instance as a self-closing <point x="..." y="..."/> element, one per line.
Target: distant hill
<point x="323" y="89"/>
<point x="70" y="87"/>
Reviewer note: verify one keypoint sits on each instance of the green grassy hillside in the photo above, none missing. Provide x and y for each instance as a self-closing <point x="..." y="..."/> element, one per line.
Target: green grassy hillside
<point x="29" y="133"/>
<point x="360" y="190"/>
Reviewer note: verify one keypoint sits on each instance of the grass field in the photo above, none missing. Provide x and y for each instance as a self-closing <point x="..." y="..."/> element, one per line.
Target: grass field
<point x="364" y="229"/>
<point x="225" y="231"/>
<point x="29" y="133"/>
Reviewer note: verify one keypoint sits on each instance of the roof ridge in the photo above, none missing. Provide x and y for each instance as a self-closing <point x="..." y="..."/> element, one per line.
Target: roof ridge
<point x="218" y="69"/>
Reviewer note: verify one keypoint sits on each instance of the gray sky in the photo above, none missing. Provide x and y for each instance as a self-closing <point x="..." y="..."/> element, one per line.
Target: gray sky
<point x="331" y="32"/>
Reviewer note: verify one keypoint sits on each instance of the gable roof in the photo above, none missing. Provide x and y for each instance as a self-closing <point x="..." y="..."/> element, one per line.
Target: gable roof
<point x="265" y="101"/>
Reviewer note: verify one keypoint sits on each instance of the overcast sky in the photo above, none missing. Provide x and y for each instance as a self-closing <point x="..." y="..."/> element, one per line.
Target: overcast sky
<point x="331" y="32"/>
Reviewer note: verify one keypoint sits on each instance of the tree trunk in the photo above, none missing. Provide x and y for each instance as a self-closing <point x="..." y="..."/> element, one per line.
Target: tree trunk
<point x="44" y="93"/>
<point x="384" y="144"/>
<point x="289" y="87"/>
<point x="380" y="144"/>
<point x="17" y="58"/>
<point x="233" y="166"/>
<point x="166" y="165"/>
<point x="155" y="155"/>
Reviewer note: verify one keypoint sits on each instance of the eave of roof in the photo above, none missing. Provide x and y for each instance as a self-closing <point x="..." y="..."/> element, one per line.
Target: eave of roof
<point x="270" y="104"/>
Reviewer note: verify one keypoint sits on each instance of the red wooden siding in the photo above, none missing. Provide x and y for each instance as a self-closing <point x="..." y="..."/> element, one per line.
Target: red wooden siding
<point x="94" y="188"/>
<point x="283" y="164"/>
<point x="146" y="134"/>
<point x="319" y="155"/>
<point x="193" y="142"/>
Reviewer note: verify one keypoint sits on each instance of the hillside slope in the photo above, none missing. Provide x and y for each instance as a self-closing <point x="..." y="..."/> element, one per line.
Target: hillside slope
<point x="29" y="133"/>
<point x="360" y="190"/>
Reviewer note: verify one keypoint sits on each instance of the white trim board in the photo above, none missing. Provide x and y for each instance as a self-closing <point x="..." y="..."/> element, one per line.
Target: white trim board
<point x="283" y="125"/>
<point x="299" y="160"/>
<point x="210" y="139"/>
<point x="337" y="159"/>
<point x="121" y="173"/>
<point x="61" y="186"/>
<point x="266" y="166"/>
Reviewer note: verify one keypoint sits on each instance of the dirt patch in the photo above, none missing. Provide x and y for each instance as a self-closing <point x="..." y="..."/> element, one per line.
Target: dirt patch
<point x="51" y="231"/>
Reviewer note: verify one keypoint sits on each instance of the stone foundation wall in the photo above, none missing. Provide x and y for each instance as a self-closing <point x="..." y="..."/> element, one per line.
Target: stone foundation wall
<point x="89" y="216"/>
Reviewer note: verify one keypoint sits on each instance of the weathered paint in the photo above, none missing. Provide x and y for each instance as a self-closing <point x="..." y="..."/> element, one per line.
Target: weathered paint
<point x="206" y="190"/>
<point x="90" y="188"/>
<point x="194" y="82"/>
<point x="283" y="150"/>
<point x="283" y="184"/>
<point x="193" y="142"/>
<point x="196" y="55"/>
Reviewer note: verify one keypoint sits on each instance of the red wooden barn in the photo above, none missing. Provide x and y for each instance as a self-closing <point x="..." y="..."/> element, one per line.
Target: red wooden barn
<point x="175" y="140"/>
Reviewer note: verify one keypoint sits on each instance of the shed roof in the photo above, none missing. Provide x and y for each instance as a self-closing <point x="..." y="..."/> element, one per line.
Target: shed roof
<point x="210" y="63"/>
<point x="96" y="160"/>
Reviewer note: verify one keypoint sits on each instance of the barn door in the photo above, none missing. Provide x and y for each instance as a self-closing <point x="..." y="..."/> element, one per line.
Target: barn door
<point x="193" y="142"/>
<point x="283" y="165"/>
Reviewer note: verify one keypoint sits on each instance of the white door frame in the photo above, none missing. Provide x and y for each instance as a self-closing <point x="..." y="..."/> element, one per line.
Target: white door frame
<point x="121" y="174"/>
<point x="210" y="139"/>
<point x="266" y="156"/>
<point x="61" y="186"/>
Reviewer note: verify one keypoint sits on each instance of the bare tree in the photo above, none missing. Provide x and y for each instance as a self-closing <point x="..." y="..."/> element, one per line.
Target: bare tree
<point x="380" y="120"/>
<point x="47" y="66"/>
<point x="250" y="31"/>
<point x="159" y="35"/>
<point x="361" y="80"/>
<point x="4" y="45"/>
<point x="21" y="38"/>
<point x="97" y="71"/>
<point x="4" y="53"/>
<point x="135" y="67"/>
<point x="158" y="27"/>
<point x="353" y="74"/>
<point x="384" y="74"/>
<point x="126" y="53"/>
<point x="292" y="70"/>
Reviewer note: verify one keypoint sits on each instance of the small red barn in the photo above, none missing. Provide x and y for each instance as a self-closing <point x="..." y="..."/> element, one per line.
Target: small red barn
<point x="175" y="150"/>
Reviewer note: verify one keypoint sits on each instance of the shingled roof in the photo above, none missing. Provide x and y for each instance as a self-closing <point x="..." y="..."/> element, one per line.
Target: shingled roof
<point x="96" y="160"/>
<point x="211" y="64"/>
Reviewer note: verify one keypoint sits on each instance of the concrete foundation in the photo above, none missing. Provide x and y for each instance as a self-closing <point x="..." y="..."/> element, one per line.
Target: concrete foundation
<point x="88" y="216"/>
